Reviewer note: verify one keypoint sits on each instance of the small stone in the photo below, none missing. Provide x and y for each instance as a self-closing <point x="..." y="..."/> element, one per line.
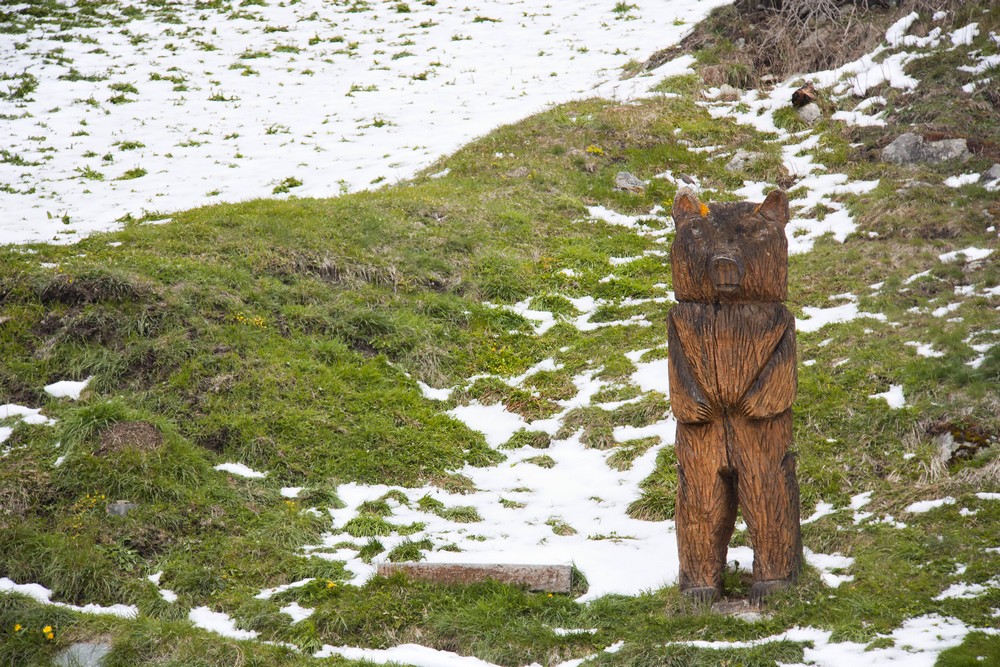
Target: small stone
<point x="810" y="113"/>
<point x="991" y="174"/>
<point x="121" y="507"/>
<point x="741" y="160"/>
<point x="520" y="172"/>
<point x="629" y="183"/>
<point x="83" y="654"/>
<point x="728" y="92"/>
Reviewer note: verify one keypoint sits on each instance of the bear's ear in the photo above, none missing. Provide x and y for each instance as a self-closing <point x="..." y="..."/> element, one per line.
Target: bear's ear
<point x="775" y="207"/>
<point x="686" y="205"/>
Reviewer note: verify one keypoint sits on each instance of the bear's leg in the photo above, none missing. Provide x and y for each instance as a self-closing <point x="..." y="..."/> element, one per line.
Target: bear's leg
<point x="706" y="508"/>
<point x="769" y="497"/>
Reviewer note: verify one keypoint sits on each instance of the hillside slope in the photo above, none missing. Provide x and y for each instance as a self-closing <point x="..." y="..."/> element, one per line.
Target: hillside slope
<point x="471" y="366"/>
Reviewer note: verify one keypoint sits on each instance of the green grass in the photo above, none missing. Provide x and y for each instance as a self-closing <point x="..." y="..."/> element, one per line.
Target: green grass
<point x="289" y="336"/>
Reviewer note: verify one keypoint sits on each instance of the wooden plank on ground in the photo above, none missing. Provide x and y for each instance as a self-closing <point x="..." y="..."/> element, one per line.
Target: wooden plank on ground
<point x="551" y="578"/>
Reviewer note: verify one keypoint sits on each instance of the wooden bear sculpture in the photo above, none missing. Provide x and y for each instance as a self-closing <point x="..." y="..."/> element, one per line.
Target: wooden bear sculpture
<point x="732" y="369"/>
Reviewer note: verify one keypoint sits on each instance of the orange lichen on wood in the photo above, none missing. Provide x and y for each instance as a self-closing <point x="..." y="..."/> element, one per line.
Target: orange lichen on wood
<point x="732" y="370"/>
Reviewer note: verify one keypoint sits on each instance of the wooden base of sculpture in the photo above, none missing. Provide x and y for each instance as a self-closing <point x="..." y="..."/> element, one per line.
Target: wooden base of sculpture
<point x="732" y="371"/>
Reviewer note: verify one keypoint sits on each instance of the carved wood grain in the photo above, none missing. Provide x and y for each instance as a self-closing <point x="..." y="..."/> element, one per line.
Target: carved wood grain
<point x="732" y="368"/>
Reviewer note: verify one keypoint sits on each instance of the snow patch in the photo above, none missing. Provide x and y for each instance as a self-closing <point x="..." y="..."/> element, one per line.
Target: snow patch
<point x="67" y="388"/>
<point x="894" y="396"/>
<point x="927" y="505"/>
<point x="241" y="470"/>
<point x="218" y="622"/>
<point x="43" y="595"/>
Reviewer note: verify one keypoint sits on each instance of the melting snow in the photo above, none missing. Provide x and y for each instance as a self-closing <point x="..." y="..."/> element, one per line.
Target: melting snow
<point x="817" y="318"/>
<point x="827" y="564"/>
<point x="916" y="643"/>
<point x="298" y="613"/>
<point x="967" y="255"/>
<point x="42" y="595"/>
<point x="962" y="591"/>
<point x="28" y="415"/>
<point x="927" y="505"/>
<point x="218" y="622"/>
<point x="241" y="470"/>
<point x="67" y="388"/>
<point x="337" y="99"/>
<point x="894" y="396"/>
<point x="962" y="179"/>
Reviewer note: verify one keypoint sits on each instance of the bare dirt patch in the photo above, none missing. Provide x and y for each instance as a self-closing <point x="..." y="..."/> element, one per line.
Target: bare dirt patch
<point x="129" y="435"/>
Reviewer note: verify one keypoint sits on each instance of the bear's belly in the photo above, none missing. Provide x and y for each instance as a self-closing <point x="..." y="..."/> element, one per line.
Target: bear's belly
<point x="727" y="345"/>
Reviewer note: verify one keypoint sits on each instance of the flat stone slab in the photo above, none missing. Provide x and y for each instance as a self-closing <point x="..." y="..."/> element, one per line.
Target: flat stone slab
<point x="550" y="578"/>
<point x="121" y="507"/>
<point x="83" y="654"/>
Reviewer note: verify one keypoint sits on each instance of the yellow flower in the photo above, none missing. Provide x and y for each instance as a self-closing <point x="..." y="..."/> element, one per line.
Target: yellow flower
<point x="49" y="635"/>
<point x="17" y="627"/>
<point x="47" y="629"/>
<point x="550" y="594"/>
<point x="330" y="584"/>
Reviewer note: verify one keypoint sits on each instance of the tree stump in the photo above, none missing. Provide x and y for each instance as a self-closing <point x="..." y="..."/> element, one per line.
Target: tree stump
<point x="731" y="344"/>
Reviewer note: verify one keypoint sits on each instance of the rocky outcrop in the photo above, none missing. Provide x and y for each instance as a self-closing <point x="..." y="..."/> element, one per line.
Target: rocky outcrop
<point x="910" y="148"/>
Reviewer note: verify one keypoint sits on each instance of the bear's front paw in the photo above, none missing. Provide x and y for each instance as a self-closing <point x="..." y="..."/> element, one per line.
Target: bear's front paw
<point x="704" y="411"/>
<point x="763" y="589"/>
<point x="705" y="595"/>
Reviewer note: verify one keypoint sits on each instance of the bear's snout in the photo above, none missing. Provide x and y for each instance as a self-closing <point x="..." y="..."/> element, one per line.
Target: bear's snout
<point x="726" y="273"/>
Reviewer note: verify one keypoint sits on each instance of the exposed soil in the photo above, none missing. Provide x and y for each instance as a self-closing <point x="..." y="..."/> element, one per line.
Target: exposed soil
<point x="123" y="435"/>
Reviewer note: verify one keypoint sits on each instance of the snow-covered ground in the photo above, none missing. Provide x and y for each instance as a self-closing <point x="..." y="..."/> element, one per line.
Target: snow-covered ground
<point x="571" y="505"/>
<point x="311" y="98"/>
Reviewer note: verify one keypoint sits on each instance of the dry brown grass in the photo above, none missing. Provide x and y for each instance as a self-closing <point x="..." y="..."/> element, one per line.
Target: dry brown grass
<point x="139" y="435"/>
<point x="752" y="41"/>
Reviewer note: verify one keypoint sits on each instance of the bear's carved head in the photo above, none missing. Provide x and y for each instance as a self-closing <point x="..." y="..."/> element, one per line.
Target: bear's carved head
<point x="730" y="252"/>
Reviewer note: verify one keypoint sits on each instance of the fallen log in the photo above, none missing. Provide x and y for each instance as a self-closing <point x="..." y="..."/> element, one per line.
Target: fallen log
<point x="550" y="578"/>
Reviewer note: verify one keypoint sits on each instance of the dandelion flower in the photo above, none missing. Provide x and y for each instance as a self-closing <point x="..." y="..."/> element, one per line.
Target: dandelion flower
<point x="17" y="627"/>
<point x="49" y="635"/>
<point x="47" y="629"/>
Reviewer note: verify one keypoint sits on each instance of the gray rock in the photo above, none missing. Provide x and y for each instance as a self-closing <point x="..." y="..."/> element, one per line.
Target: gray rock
<point x="951" y="449"/>
<point x="741" y="160"/>
<point x="83" y="654"/>
<point x="810" y="113"/>
<point x="904" y="149"/>
<point x="910" y="148"/>
<point x="629" y="183"/>
<point x="945" y="150"/>
<point x="728" y="92"/>
<point x="991" y="174"/>
<point x="121" y="507"/>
